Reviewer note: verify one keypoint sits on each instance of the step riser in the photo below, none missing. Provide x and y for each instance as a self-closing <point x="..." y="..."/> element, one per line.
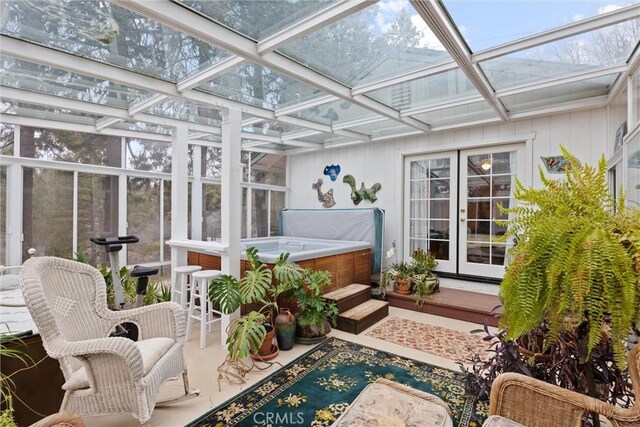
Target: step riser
<point x="353" y="300"/>
<point x="357" y="326"/>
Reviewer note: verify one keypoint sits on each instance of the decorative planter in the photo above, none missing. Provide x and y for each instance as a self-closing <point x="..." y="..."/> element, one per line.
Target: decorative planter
<point x="267" y="345"/>
<point x="403" y="286"/>
<point x="285" y="324"/>
<point x="312" y="334"/>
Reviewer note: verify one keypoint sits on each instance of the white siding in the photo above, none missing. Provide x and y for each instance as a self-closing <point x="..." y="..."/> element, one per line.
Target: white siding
<point x="582" y="132"/>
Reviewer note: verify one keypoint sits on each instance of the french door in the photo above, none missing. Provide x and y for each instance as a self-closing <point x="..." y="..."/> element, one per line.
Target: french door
<point x="452" y="203"/>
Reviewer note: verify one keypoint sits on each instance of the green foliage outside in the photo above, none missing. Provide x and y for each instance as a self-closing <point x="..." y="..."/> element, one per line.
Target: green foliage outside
<point x="576" y="261"/>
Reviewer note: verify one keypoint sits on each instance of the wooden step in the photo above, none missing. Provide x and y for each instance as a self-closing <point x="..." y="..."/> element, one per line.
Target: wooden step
<point x="363" y="316"/>
<point x="349" y="296"/>
<point x="470" y="306"/>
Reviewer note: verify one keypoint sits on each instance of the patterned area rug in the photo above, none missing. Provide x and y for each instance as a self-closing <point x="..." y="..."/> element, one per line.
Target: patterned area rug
<point x="316" y="388"/>
<point x="454" y="345"/>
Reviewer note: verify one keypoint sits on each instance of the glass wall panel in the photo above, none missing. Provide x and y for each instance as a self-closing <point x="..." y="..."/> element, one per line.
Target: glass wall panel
<point x="261" y="86"/>
<point x="212" y="219"/>
<point x="452" y="115"/>
<point x="105" y="32"/>
<point x="212" y="162"/>
<point x="143" y="219"/>
<point x="487" y="24"/>
<point x="148" y="155"/>
<point x="41" y="78"/>
<point x="632" y="187"/>
<point x="430" y="90"/>
<point x="277" y="205"/>
<point x="7" y="133"/>
<point x="3" y="215"/>
<point x="257" y="19"/>
<point x="387" y="38"/>
<point x="268" y="169"/>
<point x="259" y="213"/>
<point x="558" y="94"/>
<point x="590" y="51"/>
<point x="65" y="146"/>
<point x="47" y="212"/>
<point x="97" y="214"/>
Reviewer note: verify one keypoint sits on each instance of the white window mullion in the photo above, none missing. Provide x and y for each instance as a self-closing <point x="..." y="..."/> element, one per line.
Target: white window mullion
<point x="74" y="245"/>
<point x="196" y="194"/>
<point x="269" y="214"/>
<point x="122" y="213"/>
<point x="162" y="220"/>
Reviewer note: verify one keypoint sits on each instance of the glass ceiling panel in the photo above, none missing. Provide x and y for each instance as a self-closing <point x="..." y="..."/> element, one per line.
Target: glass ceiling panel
<point x="559" y="94"/>
<point x="260" y="86"/>
<point x="584" y="52"/>
<point x="142" y="127"/>
<point x="187" y="111"/>
<point x="384" y="127"/>
<point x="271" y="128"/>
<point x="385" y="39"/>
<point x="453" y="115"/>
<point x="257" y="19"/>
<point x="40" y="78"/>
<point x="48" y="113"/>
<point x="430" y="90"/>
<point x="336" y="111"/>
<point x="488" y="24"/>
<point x="319" y="137"/>
<point x="104" y="32"/>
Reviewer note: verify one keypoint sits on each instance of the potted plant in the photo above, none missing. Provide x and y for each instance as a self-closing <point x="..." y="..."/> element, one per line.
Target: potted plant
<point x="316" y="313"/>
<point x="574" y="275"/>
<point x="399" y="273"/>
<point x="424" y="281"/>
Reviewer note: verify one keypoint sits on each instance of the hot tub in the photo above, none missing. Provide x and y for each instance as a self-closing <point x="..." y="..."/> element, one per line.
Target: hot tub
<point x="300" y="249"/>
<point x="347" y="261"/>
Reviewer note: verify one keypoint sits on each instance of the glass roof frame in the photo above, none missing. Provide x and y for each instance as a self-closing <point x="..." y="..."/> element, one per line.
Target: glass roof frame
<point x="243" y="49"/>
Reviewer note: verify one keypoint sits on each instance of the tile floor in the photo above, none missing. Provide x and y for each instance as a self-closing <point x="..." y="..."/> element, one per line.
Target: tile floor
<point x="202" y="366"/>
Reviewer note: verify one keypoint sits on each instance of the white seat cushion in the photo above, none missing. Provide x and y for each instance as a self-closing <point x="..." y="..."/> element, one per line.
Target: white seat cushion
<point x="151" y="351"/>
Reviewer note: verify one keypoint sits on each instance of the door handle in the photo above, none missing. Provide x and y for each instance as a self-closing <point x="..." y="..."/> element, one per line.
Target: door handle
<point x="462" y="219"/>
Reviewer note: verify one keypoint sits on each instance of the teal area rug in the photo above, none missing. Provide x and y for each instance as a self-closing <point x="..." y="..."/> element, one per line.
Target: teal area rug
<point x="317" y="387"/>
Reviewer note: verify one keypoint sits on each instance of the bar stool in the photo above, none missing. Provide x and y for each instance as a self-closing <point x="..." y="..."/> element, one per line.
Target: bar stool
<point x="181" y="287"/>
<point x="203" y="313"/>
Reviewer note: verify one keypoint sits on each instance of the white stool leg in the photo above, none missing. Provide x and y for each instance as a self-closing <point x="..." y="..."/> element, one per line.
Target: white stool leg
<point x="190" y="312"/>
<point x="183" y="290"/>
<point x="204" y="310"/>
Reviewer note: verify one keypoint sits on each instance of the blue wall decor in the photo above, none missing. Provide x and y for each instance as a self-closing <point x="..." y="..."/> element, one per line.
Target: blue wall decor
<point x="363" y="193"/>
<point x="332" y="171"/>
<point x="325" y="198"/>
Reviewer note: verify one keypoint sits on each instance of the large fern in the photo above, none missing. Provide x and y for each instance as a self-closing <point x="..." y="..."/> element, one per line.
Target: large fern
<point x="576" y="259"/>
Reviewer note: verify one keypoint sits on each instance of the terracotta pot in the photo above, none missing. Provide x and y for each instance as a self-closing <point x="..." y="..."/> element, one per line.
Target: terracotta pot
<point x="403" y="286"/>
<point x="265" y="348"/>
<point x="285" y="325"/>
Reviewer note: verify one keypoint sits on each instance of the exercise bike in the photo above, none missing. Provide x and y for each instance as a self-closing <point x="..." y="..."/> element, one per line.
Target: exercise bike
<point x="112" y="246"/>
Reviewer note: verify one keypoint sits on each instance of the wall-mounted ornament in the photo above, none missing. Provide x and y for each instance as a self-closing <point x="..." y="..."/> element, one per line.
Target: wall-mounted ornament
<point x="620" y="133"/>
<point x="363" y="193"/>
<point x="332" y="171"/>
<point x="325" y="198"/>
<point x="556" y="164"/>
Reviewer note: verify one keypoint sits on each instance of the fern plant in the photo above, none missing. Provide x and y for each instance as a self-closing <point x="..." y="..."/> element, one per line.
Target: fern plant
<point x="576" y="261"/>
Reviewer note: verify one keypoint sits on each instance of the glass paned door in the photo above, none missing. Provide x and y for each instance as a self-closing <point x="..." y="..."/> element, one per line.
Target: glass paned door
<point x="430" y="207"/>
<point x="487" y="181"/>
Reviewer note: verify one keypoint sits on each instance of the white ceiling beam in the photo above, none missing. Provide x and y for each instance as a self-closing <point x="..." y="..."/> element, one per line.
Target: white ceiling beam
<point x="265" y="150"/>
<point x="357" y="122"/>
<point x="573" y="29"/>
<point x="581" y="104"/>
<point x="144" y="105"/>
<point x="105" y="122"/>
<point x="353" y="135"/>
<point x="404" y="78"/>
<point x="252" y="121"/>
<point x="210" y="73"/>
<point x="41" y="55"/>
<point x="250" y="144"/>
<point x="321" y="19"/>
<point x="197" y="26"/>
<point x="199" y="135"/>
<point x="295" y="135"/>
<point x="205" y="143"/>
<point x="298" y="151"/>
<point x="258" y="137"/>
<point x="438" y="20"/>
<point x="321" y="100"/>
<point x="621" y="82"/>
<point x="29" y="97"/>
<point x="75" y="127"/>
<point x="448" y="104"/>
<point x="303" y="144"/>
<point x="557" y="81"/>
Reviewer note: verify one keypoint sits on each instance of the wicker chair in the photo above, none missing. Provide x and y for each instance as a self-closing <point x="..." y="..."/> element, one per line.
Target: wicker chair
<point x="533" y="403"/>
<point x="104" y="375"/>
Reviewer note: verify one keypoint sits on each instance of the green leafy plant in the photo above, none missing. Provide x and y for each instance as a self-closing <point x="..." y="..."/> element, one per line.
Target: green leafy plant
<point x="6" y="383"/>
<point x="262" y="286"/>
<point x="576" y="262"/>
<point x="419" y="271"/>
